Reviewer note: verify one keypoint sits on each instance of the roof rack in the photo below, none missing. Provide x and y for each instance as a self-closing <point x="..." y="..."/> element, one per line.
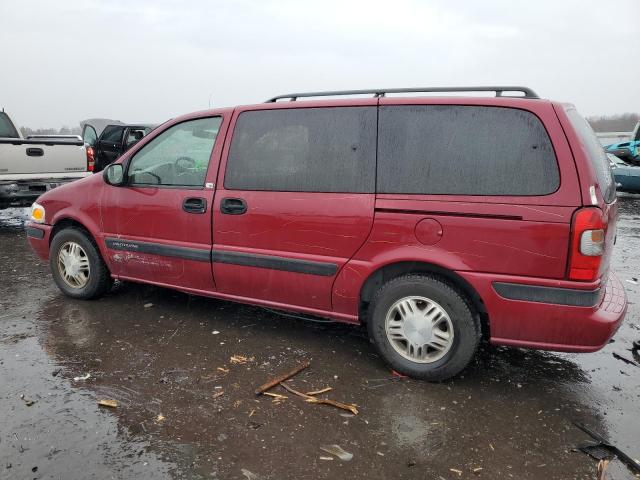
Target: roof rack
<point x="381" y="92"/>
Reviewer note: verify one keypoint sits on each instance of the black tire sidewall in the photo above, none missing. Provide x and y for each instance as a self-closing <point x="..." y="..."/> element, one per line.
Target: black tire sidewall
<point x="465" y="327"/>
<point x="96" y="266"/>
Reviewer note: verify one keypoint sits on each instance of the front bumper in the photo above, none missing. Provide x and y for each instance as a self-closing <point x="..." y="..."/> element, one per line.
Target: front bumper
<point x="38" y="235"/>
<point x="571" y="323"/>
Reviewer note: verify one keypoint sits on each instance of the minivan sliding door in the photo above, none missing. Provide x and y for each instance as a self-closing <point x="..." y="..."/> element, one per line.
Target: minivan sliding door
<point x="294" y="202"/>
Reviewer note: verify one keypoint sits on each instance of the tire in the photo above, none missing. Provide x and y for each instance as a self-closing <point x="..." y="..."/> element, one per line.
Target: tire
<point x="93" y="278"/>
<point x="424" y="308"/>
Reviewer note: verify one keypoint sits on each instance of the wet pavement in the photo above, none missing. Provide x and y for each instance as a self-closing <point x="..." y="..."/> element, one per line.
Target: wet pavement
<point x="186" y="410"/>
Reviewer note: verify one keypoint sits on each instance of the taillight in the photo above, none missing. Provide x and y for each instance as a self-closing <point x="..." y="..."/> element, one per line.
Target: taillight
<point x="588" y="230"/>
<point x="91" y="161"/>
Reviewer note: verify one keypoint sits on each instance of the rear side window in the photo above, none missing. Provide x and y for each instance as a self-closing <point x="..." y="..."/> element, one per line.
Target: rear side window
<point x="7" y="130"/>
<point x="304" y="150"/>
<point x="597" y="155"/>
<point x="464" y="150"/>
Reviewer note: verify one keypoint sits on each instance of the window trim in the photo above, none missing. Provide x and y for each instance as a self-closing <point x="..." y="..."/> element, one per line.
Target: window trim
<point x="233" y="131"/>
<point x="470" y="196"/>
<point x="139" y="146"/>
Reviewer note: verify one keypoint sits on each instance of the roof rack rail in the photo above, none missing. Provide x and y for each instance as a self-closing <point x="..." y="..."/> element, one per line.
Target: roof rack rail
<point x="381" y="92"/>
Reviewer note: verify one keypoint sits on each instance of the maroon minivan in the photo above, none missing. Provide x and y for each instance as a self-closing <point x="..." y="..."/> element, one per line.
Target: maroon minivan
<point x="432" y="219"/>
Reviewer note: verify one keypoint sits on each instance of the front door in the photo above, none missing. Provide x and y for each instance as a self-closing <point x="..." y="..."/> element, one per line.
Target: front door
<point x="294" y="202"/>
<point x="109" y="146"/>
<point x="157" y="227"/>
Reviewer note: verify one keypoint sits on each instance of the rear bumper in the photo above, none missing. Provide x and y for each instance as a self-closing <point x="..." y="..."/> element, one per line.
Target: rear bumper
<point x="38" y="236"/>
<point x="560" y="316"/>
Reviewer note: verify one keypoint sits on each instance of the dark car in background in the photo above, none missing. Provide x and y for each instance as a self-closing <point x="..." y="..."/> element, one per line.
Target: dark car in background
<point x="110" y="141"/>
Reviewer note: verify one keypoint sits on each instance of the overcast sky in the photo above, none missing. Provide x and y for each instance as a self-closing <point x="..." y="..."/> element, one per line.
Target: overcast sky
<point x="64" y="61"/>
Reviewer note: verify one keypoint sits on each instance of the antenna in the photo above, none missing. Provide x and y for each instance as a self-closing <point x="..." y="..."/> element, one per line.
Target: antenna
<point x="210" y="99"/>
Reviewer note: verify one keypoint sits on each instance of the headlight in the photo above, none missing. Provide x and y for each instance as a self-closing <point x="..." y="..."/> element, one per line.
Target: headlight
<point x="37" y="213"/>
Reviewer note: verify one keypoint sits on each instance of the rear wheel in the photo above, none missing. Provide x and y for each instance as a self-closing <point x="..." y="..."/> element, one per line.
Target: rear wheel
<point x="423" y="327"/>
<point x="76" y="265"/>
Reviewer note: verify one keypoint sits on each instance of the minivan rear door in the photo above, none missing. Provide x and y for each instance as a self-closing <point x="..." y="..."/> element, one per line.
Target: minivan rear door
<point x="294" y="201"/>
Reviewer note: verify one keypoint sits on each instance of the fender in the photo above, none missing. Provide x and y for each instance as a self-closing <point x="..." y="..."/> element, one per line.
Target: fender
<point x="87" y="193"/>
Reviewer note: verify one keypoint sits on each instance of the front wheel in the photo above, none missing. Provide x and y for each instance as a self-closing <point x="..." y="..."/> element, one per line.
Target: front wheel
<point x="76" y="265"/>
<point x="423" y="327"/>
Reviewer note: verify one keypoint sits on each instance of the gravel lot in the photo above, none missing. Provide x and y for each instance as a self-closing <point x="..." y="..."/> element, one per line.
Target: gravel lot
<point x="186" y="410"/>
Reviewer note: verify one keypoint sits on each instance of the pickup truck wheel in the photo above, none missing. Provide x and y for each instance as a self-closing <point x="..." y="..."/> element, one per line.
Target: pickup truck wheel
<point x="76" y="265"/>
<point x="423" y="327"/>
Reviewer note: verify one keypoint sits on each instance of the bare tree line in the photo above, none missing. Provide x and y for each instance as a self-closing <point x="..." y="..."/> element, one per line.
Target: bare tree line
<point x="622" y="122"/>
<point x="26" y="131"/>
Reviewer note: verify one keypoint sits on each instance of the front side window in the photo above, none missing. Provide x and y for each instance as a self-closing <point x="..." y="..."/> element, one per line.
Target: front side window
<point x="179" y="156"/>
<point x="113" y="133"/>
<point x="464" y="150"/>
<point x="304" y="150"/>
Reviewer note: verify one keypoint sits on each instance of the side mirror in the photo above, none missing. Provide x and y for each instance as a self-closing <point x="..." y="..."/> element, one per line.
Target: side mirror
<point x="114" y="174"/>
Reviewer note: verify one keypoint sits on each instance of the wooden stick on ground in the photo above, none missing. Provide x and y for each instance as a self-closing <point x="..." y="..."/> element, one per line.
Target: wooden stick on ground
<point x="318" y="392"/>
<point x="272" y="383"/>
<point x="326" y="401"/>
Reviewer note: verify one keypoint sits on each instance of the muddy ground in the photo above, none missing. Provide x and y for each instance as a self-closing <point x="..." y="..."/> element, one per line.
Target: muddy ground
<point x="186" y="411"/>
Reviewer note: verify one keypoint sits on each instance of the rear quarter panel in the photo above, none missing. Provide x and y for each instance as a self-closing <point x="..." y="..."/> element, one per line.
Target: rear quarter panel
<point x="525" y="236"/>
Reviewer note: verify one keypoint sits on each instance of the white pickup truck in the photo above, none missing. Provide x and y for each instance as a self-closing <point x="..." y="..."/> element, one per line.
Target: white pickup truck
<point x="31" y="166"/>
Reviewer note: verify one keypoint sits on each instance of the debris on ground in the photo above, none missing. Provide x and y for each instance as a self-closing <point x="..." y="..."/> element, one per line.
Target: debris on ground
<point x="632" y="280"/>
<point x="272" y="383"/>
<point x="223" y="370"/>
<point x="275" y="396"/>
<point x="602" y="468"/>
<point x="338" y="451"/>
<point x="148" y="305"/>
<point x="249" y="475"/>
<point x="215" y="332"/>
<point x="318" y="392"/>
<point x="325" y="458"/>
<point x="601" y="449"/>
<point x="455" y="470"/>
<point x="477" y="470"/>
<point x="108" y="403"/>
<point x="27" y="401"/>
<point x="217" y="394"/>
<point x="160" y="418"/>
<point x="240" y="359"/>
<point x="326" y="401"/>
<point x="625" y="360"/>
<point x="86" y="376"/>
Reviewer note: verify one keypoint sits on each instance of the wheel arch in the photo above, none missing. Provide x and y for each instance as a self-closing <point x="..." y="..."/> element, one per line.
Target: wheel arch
<point x="393" y="270"/>
<point x="65" y="221"/>
<point x="68" y="222"/>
